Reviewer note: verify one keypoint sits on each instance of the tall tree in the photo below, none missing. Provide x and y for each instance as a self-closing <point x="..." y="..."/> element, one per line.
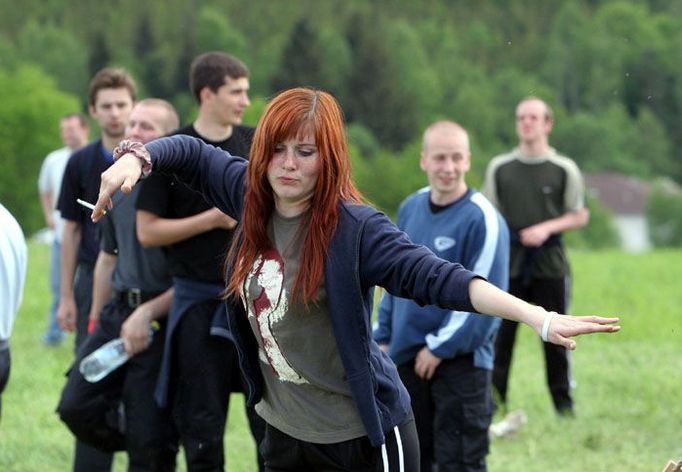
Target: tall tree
<point x="374" y="96"/>
<point x="58" y="52"/>
<point x="566" y="55"/>
<point x="29" y="128"/>
<point x="214" y="31"/>
<point x="100" y="56"/>
<point x="301" y="59"/>
<point x="188" y="51"/>
<point x="305" y="61"/>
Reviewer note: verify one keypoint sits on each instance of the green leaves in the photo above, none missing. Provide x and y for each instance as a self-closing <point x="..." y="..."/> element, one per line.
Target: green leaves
<point x="29" y="129"/>
<point x="610" y="69"/>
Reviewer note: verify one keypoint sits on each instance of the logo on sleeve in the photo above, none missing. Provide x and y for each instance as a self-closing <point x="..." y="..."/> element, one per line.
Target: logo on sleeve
<point x="441" y="243"/>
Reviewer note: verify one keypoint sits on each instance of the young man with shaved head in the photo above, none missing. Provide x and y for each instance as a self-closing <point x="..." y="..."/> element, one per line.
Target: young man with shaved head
<point x="132" y="289"/>
<point x="445" y="357"/>
<point x="541" y="195"/>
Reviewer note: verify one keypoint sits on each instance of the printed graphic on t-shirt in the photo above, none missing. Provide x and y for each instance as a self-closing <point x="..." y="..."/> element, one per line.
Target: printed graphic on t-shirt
<point x="269" y="305"/>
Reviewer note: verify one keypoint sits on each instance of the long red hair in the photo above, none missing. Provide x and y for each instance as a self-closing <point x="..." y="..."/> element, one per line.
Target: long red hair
<point x="293" y="113"/>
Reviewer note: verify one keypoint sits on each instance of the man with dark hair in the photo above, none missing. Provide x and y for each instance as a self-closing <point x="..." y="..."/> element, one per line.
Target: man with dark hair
<point x="210" y="69"/>
<point x="199" y="369"/>
<point x="131" y="290"/>
<point x="74" y="130"/>
<point x="110" y="99"/>
<point x="541" y="195"/>
<point x="445" y="358"/>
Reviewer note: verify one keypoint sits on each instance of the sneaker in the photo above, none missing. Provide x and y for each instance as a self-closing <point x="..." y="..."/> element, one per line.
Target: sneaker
<point x="509" y="425"/>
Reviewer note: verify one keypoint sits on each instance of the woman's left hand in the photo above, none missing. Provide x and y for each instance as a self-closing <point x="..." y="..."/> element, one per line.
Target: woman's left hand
<point x="563" y="327"/>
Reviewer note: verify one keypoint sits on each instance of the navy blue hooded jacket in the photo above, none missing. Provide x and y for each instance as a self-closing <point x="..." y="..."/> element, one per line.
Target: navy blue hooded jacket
<point x="367" y="250"/>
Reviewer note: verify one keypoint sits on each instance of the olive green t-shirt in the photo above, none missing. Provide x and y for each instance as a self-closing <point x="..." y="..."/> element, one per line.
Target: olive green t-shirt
<point x="528" y="190"/>
<point x="306" y="393"/>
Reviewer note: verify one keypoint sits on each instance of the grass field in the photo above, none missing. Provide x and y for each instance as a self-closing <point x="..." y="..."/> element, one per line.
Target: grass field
<point x="628" y="396"/>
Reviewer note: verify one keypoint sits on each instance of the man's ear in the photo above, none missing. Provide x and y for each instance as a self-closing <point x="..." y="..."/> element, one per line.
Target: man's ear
<point x="422" y="160"/>
<point x="204" y="94"/>
<point x="468" y="158"/>
<point x="549" y="124"/>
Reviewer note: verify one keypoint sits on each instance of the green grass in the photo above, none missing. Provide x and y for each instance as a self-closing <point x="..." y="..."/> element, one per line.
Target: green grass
<point x="32" y="438"/>
<point x="629" y="410"/>
<point x="628" y="403"/>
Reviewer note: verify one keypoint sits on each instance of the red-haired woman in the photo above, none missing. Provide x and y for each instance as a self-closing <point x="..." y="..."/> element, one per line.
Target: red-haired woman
<point x="300" y="278"/>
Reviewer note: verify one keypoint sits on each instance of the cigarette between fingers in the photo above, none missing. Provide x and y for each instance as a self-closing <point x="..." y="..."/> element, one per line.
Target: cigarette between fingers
<point x="89" y="206"/>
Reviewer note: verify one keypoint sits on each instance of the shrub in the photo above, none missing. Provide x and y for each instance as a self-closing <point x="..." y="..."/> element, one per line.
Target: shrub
<point x="664" y="214"/>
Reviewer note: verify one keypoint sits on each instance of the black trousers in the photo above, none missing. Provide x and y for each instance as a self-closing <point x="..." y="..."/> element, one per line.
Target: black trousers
<point x="82" y="293"/>
<point x="452" y="412"/>
<point x="553" y="295"/>
<point x="282" y="453"/>
<point x="93" y="410"/>
<point x="5" y="364"/>
<point x="86" y="458"/>
<point x="204" y="371"/>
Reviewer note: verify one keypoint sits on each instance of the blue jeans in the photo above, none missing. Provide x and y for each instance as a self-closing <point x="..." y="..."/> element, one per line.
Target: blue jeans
<point x="54" y="333"/>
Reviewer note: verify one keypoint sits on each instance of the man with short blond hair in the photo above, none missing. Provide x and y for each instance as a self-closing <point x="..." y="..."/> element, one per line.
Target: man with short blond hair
<point x="445" y="358"/>
<point x="132" y="289"/>
<point x="541" y="194"/>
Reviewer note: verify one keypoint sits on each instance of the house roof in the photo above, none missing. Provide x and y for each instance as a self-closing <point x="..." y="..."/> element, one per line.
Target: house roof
<point x="622" y="194"/>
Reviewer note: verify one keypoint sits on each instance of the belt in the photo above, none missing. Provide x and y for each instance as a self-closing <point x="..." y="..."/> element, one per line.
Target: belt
<point x="134" y="297"/>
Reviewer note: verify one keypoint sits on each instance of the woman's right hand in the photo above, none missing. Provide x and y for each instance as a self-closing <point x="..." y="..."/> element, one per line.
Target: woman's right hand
<point x="122" y="174"/>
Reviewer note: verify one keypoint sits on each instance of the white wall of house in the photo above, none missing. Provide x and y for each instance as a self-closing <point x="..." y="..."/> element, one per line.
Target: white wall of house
<point x="634" y="232"/>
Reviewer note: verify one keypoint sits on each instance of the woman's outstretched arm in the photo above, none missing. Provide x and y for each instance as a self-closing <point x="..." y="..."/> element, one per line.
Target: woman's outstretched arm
<point x="557" y="329"/>
<point x="204" y="168"/>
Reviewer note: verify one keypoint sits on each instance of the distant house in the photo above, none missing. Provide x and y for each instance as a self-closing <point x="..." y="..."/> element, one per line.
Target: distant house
<point x="626" y="197"/>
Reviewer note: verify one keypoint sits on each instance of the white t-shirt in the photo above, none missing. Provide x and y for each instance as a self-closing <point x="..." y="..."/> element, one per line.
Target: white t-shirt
<point x="13" y="259"/>
<point x="50" y="181"/>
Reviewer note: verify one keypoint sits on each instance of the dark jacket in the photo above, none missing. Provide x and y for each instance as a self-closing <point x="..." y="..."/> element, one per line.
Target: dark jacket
<point x="366" y="250"/>
<point x="188" y="294"/>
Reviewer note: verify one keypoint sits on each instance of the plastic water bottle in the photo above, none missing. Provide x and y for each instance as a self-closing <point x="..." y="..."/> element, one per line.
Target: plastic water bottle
<point x="101" y="362"/>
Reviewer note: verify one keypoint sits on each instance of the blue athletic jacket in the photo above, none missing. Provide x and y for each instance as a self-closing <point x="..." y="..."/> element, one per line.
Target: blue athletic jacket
<point x="366" y="250"/>
<point x="469" y="231"/>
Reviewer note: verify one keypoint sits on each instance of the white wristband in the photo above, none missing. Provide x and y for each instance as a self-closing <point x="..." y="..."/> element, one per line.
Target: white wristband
<point x="545" y="324"/>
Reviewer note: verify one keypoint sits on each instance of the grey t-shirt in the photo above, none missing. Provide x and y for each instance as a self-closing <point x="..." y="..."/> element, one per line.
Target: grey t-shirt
<point x="306" y="393"/>
<point x="136" y="267"/>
